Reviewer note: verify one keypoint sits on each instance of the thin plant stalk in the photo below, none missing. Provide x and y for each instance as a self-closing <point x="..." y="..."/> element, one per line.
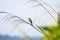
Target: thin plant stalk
<point x="24" y="21"/>
<point x="45" y="9"/>
<point x="51" y="8"/>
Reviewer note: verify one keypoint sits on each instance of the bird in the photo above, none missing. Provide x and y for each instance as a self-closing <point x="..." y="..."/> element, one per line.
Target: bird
<point x="30" y="21"/>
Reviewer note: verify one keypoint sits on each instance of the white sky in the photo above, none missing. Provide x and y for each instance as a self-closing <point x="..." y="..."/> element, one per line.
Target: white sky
<point x="38" y="14"/>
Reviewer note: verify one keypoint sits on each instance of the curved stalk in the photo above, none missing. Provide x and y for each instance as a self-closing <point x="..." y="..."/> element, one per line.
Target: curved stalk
<point x="52" y="8"/>
<point x="25" y="22"/>
<point x="47" y="10"/>
<point x="44" y="8"/>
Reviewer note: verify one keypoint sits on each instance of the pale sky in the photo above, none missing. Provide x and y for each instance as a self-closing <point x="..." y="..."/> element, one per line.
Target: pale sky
<point x="37" y="14"/>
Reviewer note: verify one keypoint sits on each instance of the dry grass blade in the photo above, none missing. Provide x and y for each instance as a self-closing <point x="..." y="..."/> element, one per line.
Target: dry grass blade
<point x="51" y="8"/>
<point x="30" y="1"/>
<point x="4" y="17"/>
<point x="18" y="21"/>
<point x="42" y="30"/>
<point x="2" y="12"/>
<point x="9" y="18"/>
<point x="36" y="5"/>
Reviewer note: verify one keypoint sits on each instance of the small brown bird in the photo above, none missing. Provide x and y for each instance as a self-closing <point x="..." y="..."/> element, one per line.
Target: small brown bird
<point x="30" y="21"/>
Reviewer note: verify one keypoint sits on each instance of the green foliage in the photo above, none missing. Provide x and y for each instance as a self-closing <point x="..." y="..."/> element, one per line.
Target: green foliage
<point x="53" y="32"/>
<point x="59" y="18"/>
